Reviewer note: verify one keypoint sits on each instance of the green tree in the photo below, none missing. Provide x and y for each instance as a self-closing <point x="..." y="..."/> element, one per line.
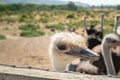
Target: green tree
<point x="118" y="7"/>
<point x="71" y="6"/>
<point x="52" y="7"/>
<point x="2" y="7"/>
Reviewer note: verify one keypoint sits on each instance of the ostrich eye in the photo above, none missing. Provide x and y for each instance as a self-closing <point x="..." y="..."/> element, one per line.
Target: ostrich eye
<point x="62" y="46"/>
<point x="82" y="50"/>
<point x="111" y="40"/>
<point x="108" y="39"/>
<point x="114" y="41"/>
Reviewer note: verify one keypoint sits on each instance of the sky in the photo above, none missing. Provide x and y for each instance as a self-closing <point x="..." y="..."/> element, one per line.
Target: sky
<point x="98" y="2"/>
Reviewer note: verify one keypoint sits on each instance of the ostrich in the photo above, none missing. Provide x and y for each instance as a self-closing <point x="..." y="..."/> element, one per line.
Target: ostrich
<point x="108" y="63"/>
<point x="66" y="47"/>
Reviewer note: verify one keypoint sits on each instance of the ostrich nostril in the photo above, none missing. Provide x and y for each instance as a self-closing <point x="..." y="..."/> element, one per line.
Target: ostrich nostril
<point x="61" y="47"/>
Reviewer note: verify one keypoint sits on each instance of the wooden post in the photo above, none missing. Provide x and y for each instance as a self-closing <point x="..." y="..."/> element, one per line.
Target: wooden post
<point x="116" y="23"/>
<point x="102" y="23"/>
<point x="85" y="22"/>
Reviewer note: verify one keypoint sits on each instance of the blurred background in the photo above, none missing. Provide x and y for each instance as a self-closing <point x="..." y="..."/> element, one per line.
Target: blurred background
<point x="26" y="25"/>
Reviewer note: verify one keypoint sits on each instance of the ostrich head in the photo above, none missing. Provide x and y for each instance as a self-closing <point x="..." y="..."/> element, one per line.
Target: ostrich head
<point x="109" y="41"/>
<point x="66" y="47"/>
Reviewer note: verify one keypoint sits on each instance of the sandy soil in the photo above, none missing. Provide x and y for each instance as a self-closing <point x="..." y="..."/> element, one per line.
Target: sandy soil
<point x="22" y="51"/>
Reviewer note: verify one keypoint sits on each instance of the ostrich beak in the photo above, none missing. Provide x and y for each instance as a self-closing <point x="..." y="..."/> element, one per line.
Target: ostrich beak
<point x="88" y="54"/>
<point x="85" y="53"/>
<point x="116" y="43"/>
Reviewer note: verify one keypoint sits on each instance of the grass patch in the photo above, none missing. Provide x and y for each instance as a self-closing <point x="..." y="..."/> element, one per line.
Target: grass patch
<point x="29" y="27"/>
<point x="75" y="25"/>
<point x="30" y="30"/>
<point x="23" y="18"/>
<point x="26" y="18"/>
<point x="58" y="26"/>
<point x="32" y="33"/>
<point x="95" y="22"/>
<point x="2" y="37"/>
<point x="44" y="20"/>
<point x="61" y="26"/>
<point x="70" y="16"/>
<point x="6" y="28"/>
<point x="107" y="32"/>
<point x="109" y="23"/>
<point x="8" y="20"/>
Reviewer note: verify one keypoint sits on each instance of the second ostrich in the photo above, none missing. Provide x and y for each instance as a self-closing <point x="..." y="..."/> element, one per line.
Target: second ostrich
<point x="108" y="63"/>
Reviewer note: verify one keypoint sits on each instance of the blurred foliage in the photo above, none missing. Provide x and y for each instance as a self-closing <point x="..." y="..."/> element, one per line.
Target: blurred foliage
<point x="23" y="18"/>
<point x="30" y="30"/>
<point x="26" y="8"/>
<point x="35" y="7"/>
<point x="109" y="23"/>
<point x="2" y="37"/>
<point x="70" y="16"/>
<point x="58" y="26"/>
<point x="74" y="25"/>
<point x="44" y="20"/>
<point x="72" y="6"/>
<point x="29" y="27"/>
<point x="8" y="20"/>
<point x="95" y="22"/>
<point x="107" y="31"/>
<point x="32" y="33"/>
<point x="118" y="7"/>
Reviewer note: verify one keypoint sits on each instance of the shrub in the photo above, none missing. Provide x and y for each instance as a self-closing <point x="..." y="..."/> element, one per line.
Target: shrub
<point x="71" y="6"/>
<point x="87" y="13"/>
<point x="29" y="27"/>
<point x="8" y="20"/>
<point x="2" y="37"/>
<point x="94" y="22"/>
<point x="92" y="15"/>
<point x="107" y="31"/>
<point x="1" y="19"/>
<point x="44" y="20"/>
<point x="6" y="28"/>
<point x="75" y="24"/>
<point x="118" y="7"/>
<point x="58" y="26"/>
<point x="109" y="23"/>
<point x="71" y="16"/>
<point x="32" y="33"/>
<point x="23" y="18"/>
<point x="30" y="30"/>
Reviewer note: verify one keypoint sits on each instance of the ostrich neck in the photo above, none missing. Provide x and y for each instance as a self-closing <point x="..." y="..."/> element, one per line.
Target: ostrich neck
<point x="60" y="61"/>
<point x="108" y="59"/>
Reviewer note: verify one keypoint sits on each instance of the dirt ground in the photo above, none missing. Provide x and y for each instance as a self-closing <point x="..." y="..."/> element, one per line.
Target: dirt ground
<point x="22" y="51"/>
